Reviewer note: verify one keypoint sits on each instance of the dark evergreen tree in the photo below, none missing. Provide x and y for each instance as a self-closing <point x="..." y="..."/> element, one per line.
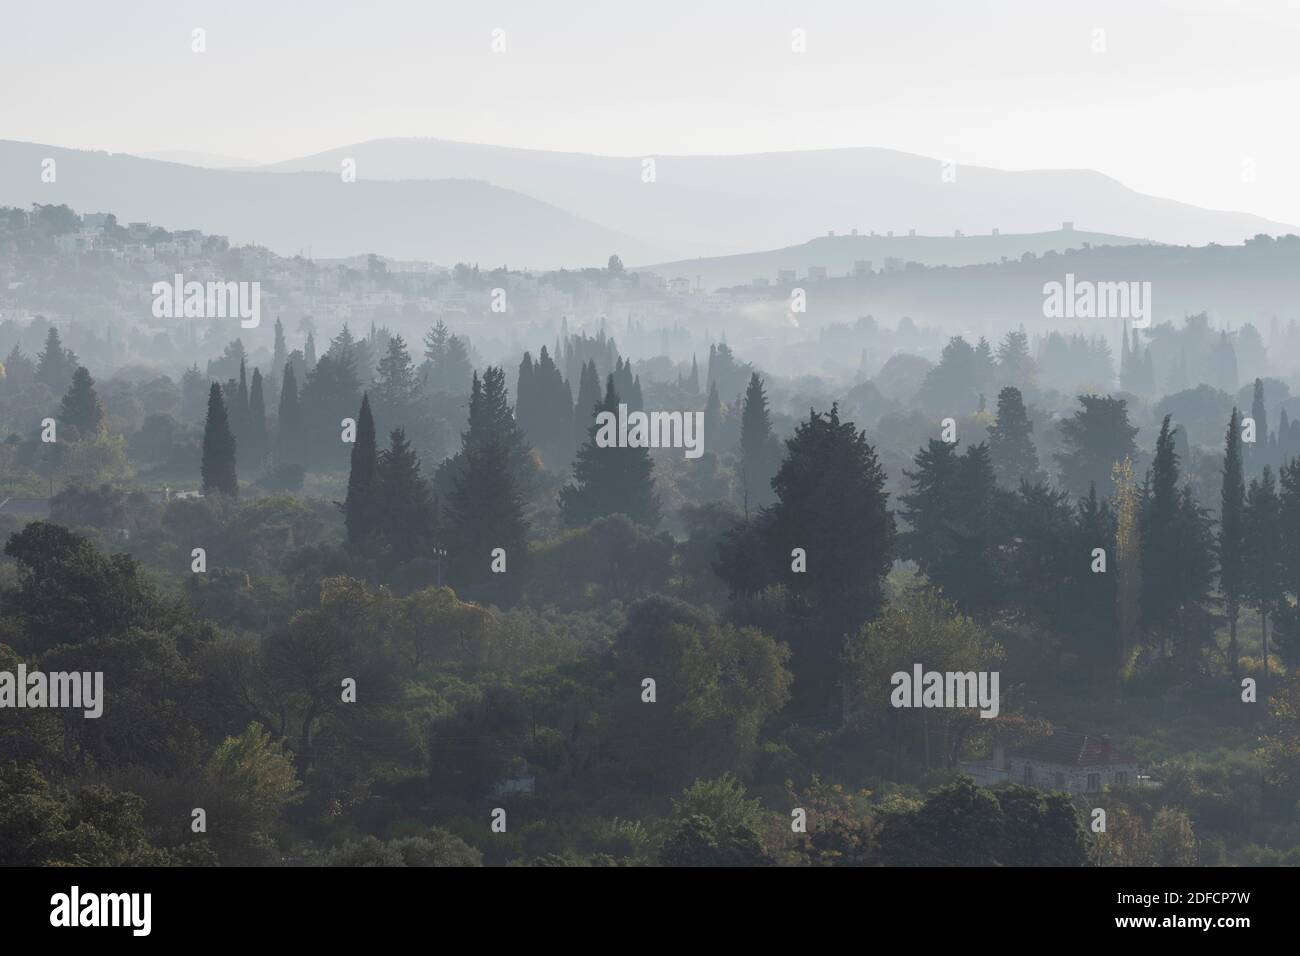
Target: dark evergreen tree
<point x="760" y="453"/>
<point x="1232" y="541"/>
<point x="1010" y="446"/>
<point x="1287" y="629"/>
<point x="589" y="399"/>
<point x="361" y="503"/>
<point x="1257" y="455"/>
<point x="330" y="394"/>
<point x="396" y="385"/>
<point x="81" y="407"/>
<point x="956" y="515"/>
<point x="55" y="365"/>
<point x="832" y="506"/>
<point x="1265" y="571"/>
<point x="610" y="480"/>
<point x="289" y="423"/>
<point x="1096" y="437"/>
<point x="486" y="513"/>
<point x="713" y="419"/>
<point x="218" y="467"/>
<point x="257" y="434"/>
<point x="405" y="513"/>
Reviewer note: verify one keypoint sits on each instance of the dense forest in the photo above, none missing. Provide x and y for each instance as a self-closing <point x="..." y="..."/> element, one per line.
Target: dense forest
<point x="396" y="609"/>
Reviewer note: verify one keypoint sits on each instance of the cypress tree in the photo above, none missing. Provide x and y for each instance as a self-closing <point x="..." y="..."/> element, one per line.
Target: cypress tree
<point x="360" y="505"/>
<point x="288" y="443"/>
<point x="584" y="410"/>
<point x="1159" y="539"/>
<point x="758" y="447"/>
<point x="257" y="437"/>
<point x="81" y="407"/>
<point x="1265" y="584"/>
<point x="610" y="480"/>
<point x="1232" y="541"/>
<point x="1258" y="454"/>
<point x="218" y="466"/>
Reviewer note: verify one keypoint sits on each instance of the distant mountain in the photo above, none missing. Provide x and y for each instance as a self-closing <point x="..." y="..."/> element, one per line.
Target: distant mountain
<point x="720" y="205"/>
<point x="207" y="160"/>
<point x="442" y="220"/>
<point x="840" y="255"/>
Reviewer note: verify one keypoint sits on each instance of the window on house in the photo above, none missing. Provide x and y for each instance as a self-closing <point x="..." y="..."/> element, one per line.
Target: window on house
<point x="1029" y="774"/>
<point x="1094" y="782"/>
<point x="1121" y="778"/>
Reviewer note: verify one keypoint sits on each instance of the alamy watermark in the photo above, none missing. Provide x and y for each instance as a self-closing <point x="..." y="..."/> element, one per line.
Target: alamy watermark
<point x="651" y="430"/>
<point x="1074" y="299"/>
<point x="954" y="689"/>
<point x="74" y="689"/>
<point x="179" y="299"/>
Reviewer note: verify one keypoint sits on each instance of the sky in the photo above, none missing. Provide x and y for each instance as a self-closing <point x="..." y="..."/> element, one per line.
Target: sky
<point x="1194" y="100"/>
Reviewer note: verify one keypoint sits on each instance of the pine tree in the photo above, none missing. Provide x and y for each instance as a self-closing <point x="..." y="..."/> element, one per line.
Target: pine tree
<point x="485" y="513"/>
<point x="361" y="503"/>
<point x="955" y="511"/>
<point x="405" y="515"/>
<point x="693" y="382"/>
<point x="279" y="356"/>
<point x="289" y="441"/>
<point x="396" y="385"/>
<point x="1010" y="445"/>
<point x="309" y="352"/>
<point x="1096" y="438"/>
<point x="1232" y="541"/>
<point x="759" y="452"/>
<point x="1015" y="366"/>
<point x="81" y="407"/>
<point x="55" y="365"/>
<point x="610" y="480"/>
<point x="218" y="467"/>
<point x="832" y="504"/>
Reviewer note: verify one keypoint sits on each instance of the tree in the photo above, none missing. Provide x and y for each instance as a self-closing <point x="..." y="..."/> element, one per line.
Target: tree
<point x="362" y="502"/>
<point x="1096" y="437"/>
<point x="486" y="513"/>
<point x="715" y="686"/>
<point x="610" y="480"/>
<point x="406" y="518"/>
<point x="1128" y="558"/>
<point x="447" y="367"/>
<point x="956" y="514"/>
<point x="218" y="468"/>
<point x="1010" y="446"/>
<point x="289" y="421"/>
<point x="257" y="435"/>
<point x="828" y="540"/>
<point x="396" y="387"/>
<point x="1264" y="579"/>
<point x="1232" y="541"/>
<point x="1015" y="365"/>
<point x="81" y="407"/>
<point x="759" y="452"/>
<point x="924" y="627"/>
<point x="55" y="365"/>
<point x="587" y="404"/>
<point x="1259" y="412"/>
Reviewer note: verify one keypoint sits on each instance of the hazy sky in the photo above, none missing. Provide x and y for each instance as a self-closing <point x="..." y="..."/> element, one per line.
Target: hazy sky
<point x="1187" y="100"/>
